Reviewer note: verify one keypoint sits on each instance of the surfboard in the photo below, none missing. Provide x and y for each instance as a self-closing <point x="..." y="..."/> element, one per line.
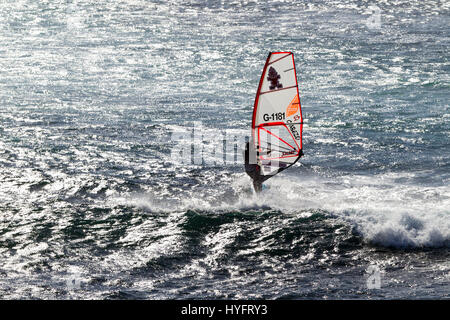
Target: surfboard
<point x="277" y="123"/>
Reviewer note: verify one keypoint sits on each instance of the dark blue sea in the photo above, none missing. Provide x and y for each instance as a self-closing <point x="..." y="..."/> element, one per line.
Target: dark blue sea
<point x="95" y="203"/>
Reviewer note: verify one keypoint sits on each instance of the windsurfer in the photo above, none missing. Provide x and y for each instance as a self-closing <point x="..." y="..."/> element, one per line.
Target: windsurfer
<point x="253" y="169"/>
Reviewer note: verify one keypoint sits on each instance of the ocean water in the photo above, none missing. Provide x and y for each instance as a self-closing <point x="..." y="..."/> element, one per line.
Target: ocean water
<point x="92" y="205"/>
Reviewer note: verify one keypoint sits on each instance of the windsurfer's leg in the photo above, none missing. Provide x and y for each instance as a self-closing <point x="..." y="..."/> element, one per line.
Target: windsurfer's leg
<point x="257" y="184"/>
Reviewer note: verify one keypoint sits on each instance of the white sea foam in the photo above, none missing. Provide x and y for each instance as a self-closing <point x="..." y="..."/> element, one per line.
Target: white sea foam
<point x="385" y="210"/>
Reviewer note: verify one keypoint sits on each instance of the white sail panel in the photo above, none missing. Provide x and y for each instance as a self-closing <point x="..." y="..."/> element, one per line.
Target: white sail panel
<point x="272" y="103"/>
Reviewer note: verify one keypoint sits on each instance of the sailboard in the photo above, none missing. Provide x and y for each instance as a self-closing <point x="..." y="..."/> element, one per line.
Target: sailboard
<point x="277" y="122"/>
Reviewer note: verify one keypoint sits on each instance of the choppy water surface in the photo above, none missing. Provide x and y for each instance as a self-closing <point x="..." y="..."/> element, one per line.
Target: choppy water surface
<point x="91" y="205"/>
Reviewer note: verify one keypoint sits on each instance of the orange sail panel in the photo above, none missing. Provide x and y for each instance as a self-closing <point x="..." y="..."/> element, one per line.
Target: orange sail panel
<point x="277" y="122"/>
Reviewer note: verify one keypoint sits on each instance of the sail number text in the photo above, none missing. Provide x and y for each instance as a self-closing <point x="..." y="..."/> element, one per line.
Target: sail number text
<point x="274" y="116"/>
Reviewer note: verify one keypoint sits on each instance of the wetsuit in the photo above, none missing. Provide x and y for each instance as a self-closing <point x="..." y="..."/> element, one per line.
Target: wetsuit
<point x="253" y="169"/>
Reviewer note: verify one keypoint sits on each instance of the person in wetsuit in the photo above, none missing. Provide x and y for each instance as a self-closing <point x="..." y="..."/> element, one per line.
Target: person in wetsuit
<point x="253" y="169"/>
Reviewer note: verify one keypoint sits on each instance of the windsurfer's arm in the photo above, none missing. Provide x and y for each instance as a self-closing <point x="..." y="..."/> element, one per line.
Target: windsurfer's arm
<point x="264" y="153"/>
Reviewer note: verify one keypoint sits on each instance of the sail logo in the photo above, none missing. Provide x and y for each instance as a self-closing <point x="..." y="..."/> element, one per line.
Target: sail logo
<point x="293" y="107"/>
<point x="293" y="129"/>
<point x="274" y="78"/>
<point x="288" y="153"/>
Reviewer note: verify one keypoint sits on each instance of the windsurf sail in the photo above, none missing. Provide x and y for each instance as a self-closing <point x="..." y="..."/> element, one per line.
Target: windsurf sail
<point x="277" y="122"/>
